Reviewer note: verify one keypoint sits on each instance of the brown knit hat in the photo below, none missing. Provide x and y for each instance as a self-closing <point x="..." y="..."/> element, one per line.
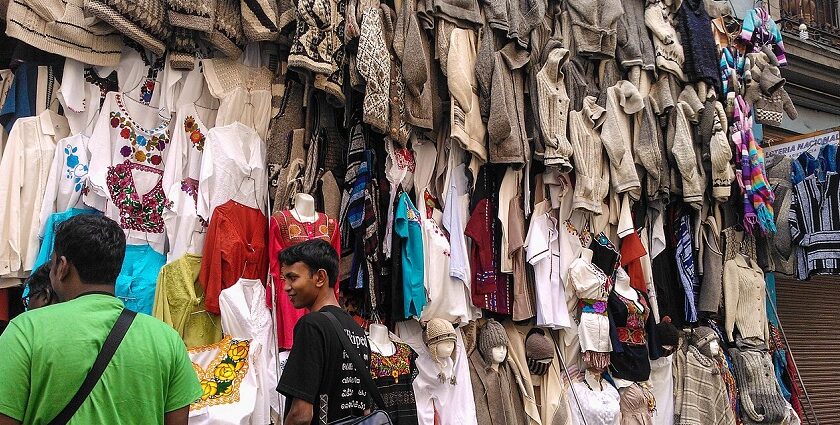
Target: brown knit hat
<point x="538" y="346"/>
<point x="490" y="336"/>
<point x="439" y="330"/>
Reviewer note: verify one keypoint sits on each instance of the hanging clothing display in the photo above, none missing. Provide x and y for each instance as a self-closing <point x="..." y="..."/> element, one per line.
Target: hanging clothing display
<point x="572" y="175"/>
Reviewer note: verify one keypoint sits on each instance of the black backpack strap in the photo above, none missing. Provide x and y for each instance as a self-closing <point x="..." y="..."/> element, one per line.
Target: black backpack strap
<point x="356" y="358"/>
<point x="106" y="353"/>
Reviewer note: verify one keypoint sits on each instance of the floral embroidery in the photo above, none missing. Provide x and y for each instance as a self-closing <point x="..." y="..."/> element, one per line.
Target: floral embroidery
<point x="142" y="146"/>
<point x="405" y="159"/>
<point x="196" y="136"/>
<point x="142" y="213"/>
<point x="637" y="314"/>
<point x="190" y="187"/>
<point x="221" y="379"/>
<point x="394" y="366"/>
<point x="146" y="91"/>
<point x="75" y="171"/>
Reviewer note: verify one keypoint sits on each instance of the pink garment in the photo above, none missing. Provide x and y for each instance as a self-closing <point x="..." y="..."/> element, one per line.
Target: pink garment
<point x="285" y="231"/>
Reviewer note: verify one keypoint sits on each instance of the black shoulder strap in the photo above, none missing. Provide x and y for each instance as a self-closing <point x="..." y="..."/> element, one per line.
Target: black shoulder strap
<point x="106" y="353"/>
<point x="358" y="363"/>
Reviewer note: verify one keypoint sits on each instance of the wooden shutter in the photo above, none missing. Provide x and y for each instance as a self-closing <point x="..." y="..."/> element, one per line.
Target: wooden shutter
<point x="809" y="312"/>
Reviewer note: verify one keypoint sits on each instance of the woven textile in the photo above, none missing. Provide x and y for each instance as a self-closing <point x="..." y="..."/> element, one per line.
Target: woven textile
<point x="227" y="34"/>
<point x="143" y="21"/>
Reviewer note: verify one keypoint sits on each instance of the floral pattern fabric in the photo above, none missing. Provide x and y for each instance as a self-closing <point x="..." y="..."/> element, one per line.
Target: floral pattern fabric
<point x="139" y="145"/>
<point x="221" y="379"/>
<point x="637" y="314"/>
<point x="137" y="212"/>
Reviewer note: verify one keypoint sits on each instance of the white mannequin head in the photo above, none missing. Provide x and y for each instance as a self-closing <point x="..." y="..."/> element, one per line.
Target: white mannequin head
<point x="442" y="350"/>
<point x="498" y="354"/>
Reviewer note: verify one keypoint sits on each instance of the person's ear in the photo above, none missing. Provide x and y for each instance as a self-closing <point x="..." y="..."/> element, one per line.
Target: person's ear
<point x="59" y="270"/>
<point x="321" y="278"/>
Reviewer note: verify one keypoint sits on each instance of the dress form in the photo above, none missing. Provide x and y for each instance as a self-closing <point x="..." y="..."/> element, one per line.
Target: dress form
<point x="304" y="210"/>
<point x="623" y="288"/>
<point x="380" y="341"/>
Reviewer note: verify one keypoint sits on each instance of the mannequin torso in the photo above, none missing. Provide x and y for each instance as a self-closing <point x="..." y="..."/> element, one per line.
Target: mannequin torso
<point x="304" y="210"/>
<point x="380" y="341"/>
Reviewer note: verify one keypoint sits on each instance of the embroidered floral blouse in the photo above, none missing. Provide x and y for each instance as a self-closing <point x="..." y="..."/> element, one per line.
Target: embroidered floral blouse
<point x="394" y="375"/>
<point x="127" y="152"/>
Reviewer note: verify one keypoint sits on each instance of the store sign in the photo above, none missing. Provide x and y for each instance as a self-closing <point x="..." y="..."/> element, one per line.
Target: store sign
<point x="812" y="143"/>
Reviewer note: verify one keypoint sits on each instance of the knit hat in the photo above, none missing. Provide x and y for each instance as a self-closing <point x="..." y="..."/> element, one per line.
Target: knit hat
<point x="701" y="336"/>
<point x="491" y="336"/>
<point x="667" y="333"/>
<point x="439" y="330"/>
<point x="538" y="349"/>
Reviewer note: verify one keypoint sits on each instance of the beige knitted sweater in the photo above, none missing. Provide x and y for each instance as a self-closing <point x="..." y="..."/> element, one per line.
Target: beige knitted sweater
<point x="591" y="170"/>
<point x="553" y="110"/>
<point x="744" y="299"/>
<point x="623" y="100"/>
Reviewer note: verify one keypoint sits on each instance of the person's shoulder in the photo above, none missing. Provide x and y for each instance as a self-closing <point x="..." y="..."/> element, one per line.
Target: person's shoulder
<point x="151" y="326"/>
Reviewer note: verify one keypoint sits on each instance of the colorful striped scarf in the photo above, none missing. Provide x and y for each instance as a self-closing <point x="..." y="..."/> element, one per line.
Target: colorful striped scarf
<point x="751" y="174"/>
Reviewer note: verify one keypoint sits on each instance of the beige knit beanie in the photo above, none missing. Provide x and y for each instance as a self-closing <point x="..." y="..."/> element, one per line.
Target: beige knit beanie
<point x="439" y="330"/>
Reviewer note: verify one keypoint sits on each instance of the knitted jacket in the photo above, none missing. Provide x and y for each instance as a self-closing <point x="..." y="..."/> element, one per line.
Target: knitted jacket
<point x="623" y="100"/>
<point x="701" y="54"/>
<point x="759" y="30"/>
<point x="421" y="99"/>
<point x="467" y="127"/>
<point x="720" y="152"/>
<point x="260" y="20"/>
<point x="509" y="143"/>
<point x="594" y="26"/>
<point x="553" y="111"/>
<point x="515" y="18"/>
<point x="682" y="147"/>
<point x="463" y="13"/>
<point x="743" y="298"/>
<point x="227" y="34"/>
<point x="649" y="153"/>
<point x="711" y="287"/>
<point x="780" y="246"/>
<point x="312" y="47"/>
<point x="635" y="47"/>
<point x="765" y="90"/>
<point x="72" y="32"/>
<point x="669" y="52"/>
<point x="591" y="169"/>
<point x="196" y="15"/>
<point x="374" y="64"/>
<point x="143" y="21"/>
<point x="761" y="398"/>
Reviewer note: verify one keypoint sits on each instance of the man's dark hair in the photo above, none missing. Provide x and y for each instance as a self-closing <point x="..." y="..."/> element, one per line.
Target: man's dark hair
<point x="94" y="244"/>
<point x="316" y="254"/>
<point x="39" y="282"/>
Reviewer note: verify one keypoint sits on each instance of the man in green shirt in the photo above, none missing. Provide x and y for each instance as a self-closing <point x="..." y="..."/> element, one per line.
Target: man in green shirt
<point x="46" y="353"/>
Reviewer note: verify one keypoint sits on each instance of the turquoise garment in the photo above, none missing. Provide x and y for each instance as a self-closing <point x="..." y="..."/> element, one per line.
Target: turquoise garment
<point x="770" y="280"/>
<point x="50" y="227"/>
<point x="407" y="227"/>
<point x="138" y="277"/>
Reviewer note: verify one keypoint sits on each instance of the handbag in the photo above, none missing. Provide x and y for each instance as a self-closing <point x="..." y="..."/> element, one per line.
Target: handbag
<point x="377" y="417"/>
<point x="106" y="353"/>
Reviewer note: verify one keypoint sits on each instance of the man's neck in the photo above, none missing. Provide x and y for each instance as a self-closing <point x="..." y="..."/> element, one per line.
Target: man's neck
<point x="325" y="299"/>
<point x="87" y="288"/>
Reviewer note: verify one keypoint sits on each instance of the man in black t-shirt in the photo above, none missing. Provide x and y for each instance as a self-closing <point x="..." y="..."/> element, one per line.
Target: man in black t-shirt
<point x="319" y="379"/>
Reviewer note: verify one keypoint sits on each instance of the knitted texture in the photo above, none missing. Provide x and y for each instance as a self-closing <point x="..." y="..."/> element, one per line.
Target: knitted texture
<point x="143" y="21"/>
<point x="701" y="54"/>
<point x="227" y="34"/>
<point x="515" y="18"/>
<point x="682" y="148"/>
<point x="782" y="258"/>
<point x="649" y="152"/>
<point x="417" y="70"/>
<point x="182" y="48"/>
<point x="623" y="100"/>
<point x="197" y="15"/>
<point x="312" y="46"/>
<point x="721" y="156"/>
<point x="492" y="335"/>
<point x="591" y="169"/>
<point x="700" y="391"/>
<point x="635" y="47"/>
<point x="374" y="65"/>
<point x="553" y="111"/>
<point x="464" y="13"/>
<point x="438" y="330"/>
<point x="750" y="173"/>
<point x="761" y="400"/>
<point x="259" y="20"/>
<point x="594" y="25"/>
<point x="333" y="83"/>
<point x="711" y="287"/>
<point x="538" y="347"/>
<point x="669" y="52"/>
<point x="72" y="32"/>
<point x="743" y="298"/>
<point x="509" y="143"/>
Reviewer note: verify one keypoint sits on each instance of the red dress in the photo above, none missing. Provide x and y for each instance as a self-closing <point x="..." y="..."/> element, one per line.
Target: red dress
<point x="235" y="247"/>
<point x="285" y="231"/>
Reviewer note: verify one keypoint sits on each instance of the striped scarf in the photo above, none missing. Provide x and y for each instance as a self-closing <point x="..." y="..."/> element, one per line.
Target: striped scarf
<point x="751" y="173"/>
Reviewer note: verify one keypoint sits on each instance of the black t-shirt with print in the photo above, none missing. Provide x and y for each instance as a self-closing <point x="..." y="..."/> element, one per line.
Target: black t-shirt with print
<point x="320" y="372"/>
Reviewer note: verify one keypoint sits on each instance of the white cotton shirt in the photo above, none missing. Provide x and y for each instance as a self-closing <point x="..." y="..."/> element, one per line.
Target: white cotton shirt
<point x="662" y="381"/>
<point x="130" y="134"/>
<point x="543" y="252"/>
<point x="593" y="329"/>
<point x="454" y="404"/>
<point x="25" y="168"/>
<point x="232" y="168"/>
<point x="246" y="316"/>
<point x="244" y="93"/>
<point x="455" y="216"/>
<point x="68" y="177"/>
<point x="181" y="173"/>
<point x="599" y="407"/>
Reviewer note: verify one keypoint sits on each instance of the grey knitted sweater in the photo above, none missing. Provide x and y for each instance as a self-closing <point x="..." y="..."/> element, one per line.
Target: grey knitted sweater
<point x="761" y="398"/>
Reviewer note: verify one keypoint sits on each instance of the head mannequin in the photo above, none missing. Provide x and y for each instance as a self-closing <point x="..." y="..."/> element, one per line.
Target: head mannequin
<point x="492" y="343"/>
<point x="305" y="208"/>
<point x="706" y="341"/>
<point x="539" y="351"/>
<point x="440" y="338"/>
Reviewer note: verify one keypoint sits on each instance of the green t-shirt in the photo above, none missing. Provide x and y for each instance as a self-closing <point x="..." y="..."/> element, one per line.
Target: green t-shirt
<point x="46" y="353"/>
